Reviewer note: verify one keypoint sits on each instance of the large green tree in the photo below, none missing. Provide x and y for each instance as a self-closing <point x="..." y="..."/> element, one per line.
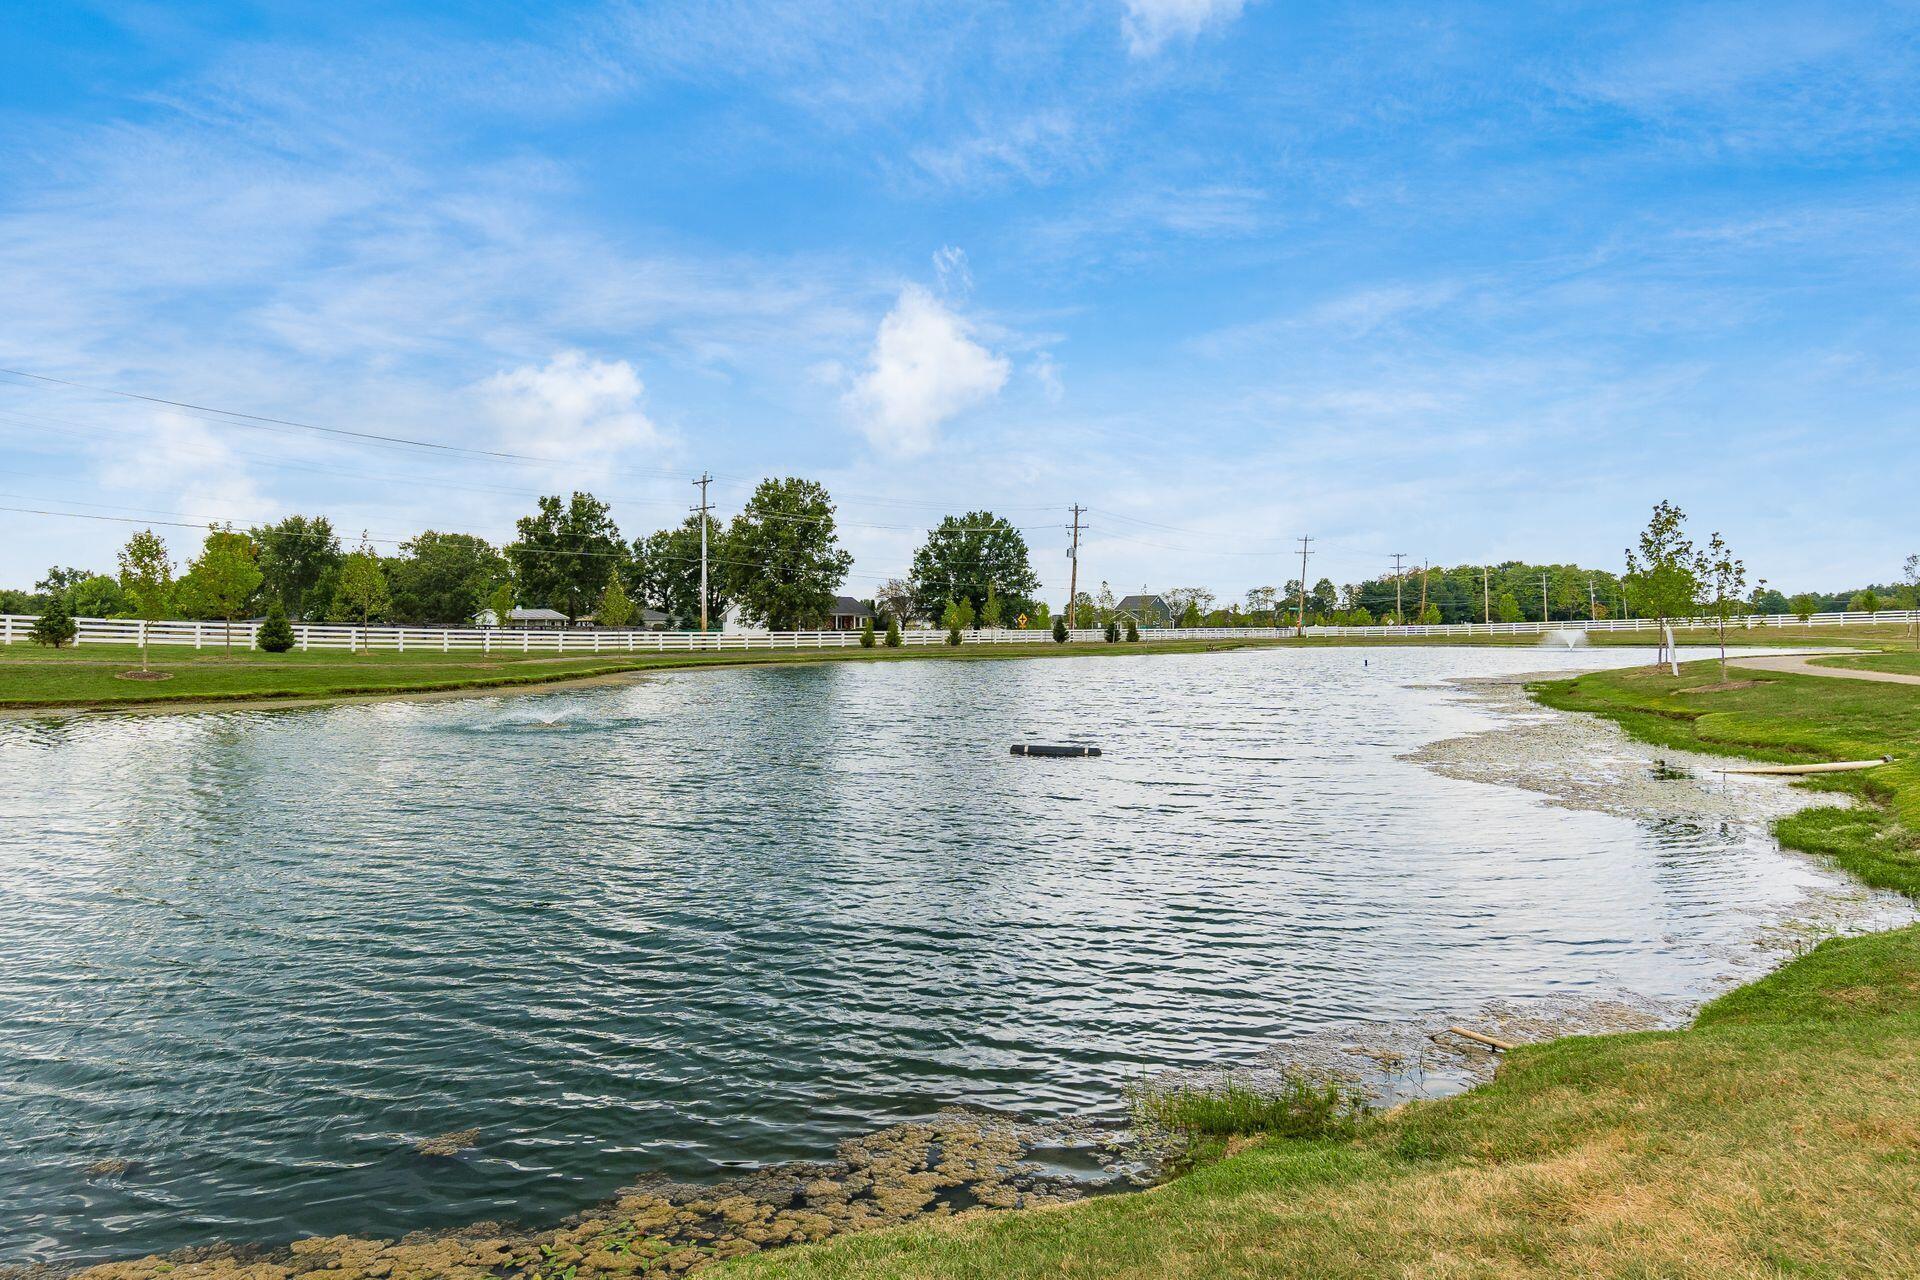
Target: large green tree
<point x="565" y="553"/>
<point x="146" y="576"/>
<point x="965" y="558"/>
<point x="97" y="597"/>
<point x="664" y="571"/>
<point x="294" y="556"/>
<point x="223" y="581"/>
<point x="784" y="562"/>
<point x="443" y="579"/>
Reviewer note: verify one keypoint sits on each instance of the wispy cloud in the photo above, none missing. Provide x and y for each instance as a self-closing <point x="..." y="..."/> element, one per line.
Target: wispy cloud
<point x="1149" y="24"/>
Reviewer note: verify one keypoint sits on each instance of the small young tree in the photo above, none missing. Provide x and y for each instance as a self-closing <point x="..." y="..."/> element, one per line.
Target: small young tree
<point x="952" y="620"/>
<point x="55" y="626"/>
<point x="615" y="609"/>
<point x="1430" y="616"/>
<point x="1060" y="630"/>
<point x="224" y="580"/>
<point x="276" y="633"/>
<point x="362" y="594"/>
<point x="146" y="575"/>
<point x="1113" y="632"/>
<point x="893" y="632"/>
<point x="1133" y="631"/>
<point x="866" y="634"/>
<point x="1723" y="581"/>
<point x="1804" y="606"/>
<point x="1910" y="579"/>
<point x="1663" y="577"/>
<point x="501" y="603"/>
<point x="1867" y="601"/>
<point x="990" y="609"/>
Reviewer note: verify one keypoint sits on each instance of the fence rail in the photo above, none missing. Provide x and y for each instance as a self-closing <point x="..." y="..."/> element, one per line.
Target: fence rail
<point x="308" y="636"/>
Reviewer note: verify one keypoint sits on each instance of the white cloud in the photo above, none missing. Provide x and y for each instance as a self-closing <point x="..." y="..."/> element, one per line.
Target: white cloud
<point x="1149" y="24"/>
<point x="925" y="369"/>
<point x="573" y="408"/>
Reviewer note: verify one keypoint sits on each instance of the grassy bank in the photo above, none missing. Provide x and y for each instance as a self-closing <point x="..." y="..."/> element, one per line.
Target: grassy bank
<point x="36" y="678"/>
<point x="91" y="676"/>
<point x="1778" y="1135"/>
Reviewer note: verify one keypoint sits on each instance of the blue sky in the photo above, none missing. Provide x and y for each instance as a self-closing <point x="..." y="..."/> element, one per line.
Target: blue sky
<point x="1469" y="282"/>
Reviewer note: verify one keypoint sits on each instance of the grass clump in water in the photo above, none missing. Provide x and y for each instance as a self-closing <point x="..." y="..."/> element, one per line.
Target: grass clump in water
<point x="1295" y="1107"/>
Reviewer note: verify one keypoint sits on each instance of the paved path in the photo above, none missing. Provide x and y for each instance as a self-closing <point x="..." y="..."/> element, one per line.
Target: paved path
<point x="1800" y="664"/>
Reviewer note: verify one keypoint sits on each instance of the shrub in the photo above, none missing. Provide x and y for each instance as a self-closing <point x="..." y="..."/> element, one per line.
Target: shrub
<point x="953" y="634"/>
<point x="893" y="632"/>
<point x="1113" y="633"/>
<point x="1295" y="1107"/>
<point x="1133" y="632"/>
<point x="55" y="626"/>
<point x="1060" y="630"/>
<point x="276" y="633"/>
<point x="866" y="635"/>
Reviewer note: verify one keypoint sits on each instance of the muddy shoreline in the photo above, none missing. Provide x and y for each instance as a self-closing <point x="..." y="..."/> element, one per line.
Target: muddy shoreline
<point x="966" y="1162"/>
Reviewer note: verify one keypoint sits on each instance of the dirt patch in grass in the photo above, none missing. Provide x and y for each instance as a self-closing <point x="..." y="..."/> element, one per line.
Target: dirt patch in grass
<point x="144" y="675"/>
<point x="1719" y="686"/>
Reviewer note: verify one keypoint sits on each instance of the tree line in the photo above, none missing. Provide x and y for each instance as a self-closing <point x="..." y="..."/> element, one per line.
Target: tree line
<point x="778" y="560"/>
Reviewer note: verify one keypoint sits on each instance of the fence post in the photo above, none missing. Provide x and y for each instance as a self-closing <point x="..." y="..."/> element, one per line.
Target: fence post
<point x="196" y="635"/>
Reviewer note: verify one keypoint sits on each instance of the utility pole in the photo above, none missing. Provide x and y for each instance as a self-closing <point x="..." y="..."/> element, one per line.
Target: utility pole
<point x="1073" y="562"/>
<point x="1593" y="599"/>
<point x="1300" y="627"/>
<point x="1399" y="608"/>
<point x="703" y="508"/>
<point x="1486" y="593"/>
<point x="1543" y="598"/>
<point x="1424" y="569"/>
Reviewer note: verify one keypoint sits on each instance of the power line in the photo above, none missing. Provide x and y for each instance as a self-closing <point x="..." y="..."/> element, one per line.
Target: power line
<point x="242" y="418"/>
<point x="18" y="416"/>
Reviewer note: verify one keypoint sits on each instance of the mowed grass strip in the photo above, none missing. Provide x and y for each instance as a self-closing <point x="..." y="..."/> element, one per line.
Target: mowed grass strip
<point x="90" y="676"/>
<point x="1779" y="1135"/>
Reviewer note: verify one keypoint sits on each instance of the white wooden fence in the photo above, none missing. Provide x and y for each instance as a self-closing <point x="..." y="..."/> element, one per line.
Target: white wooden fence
<point x="307" y="636"/>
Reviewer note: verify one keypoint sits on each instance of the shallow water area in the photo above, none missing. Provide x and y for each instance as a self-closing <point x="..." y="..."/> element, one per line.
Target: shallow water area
<point x="712" y="920"/>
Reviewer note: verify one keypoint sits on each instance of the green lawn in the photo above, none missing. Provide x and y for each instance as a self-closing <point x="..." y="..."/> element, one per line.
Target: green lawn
<point x="33" y="677"/>
<point x="1904" y="662"/>
<point x="1779" y="1135"/>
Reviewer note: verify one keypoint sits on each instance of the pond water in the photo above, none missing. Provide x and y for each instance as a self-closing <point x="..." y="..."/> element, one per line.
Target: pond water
<point x="718" y="918"/>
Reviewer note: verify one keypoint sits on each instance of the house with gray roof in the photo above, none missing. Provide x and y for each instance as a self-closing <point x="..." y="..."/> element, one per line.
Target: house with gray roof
<point x="1148" y="610"/>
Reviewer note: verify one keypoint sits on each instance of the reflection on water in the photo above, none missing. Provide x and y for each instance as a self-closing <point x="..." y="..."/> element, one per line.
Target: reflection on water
<point x="727" y="917"/>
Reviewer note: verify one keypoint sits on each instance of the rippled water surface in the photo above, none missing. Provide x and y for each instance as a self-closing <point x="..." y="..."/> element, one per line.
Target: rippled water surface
<point x="727" y="917"/>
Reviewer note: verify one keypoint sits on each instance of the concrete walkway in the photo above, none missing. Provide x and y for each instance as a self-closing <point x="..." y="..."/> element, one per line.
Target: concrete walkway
<point x="1800" y="664"/>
